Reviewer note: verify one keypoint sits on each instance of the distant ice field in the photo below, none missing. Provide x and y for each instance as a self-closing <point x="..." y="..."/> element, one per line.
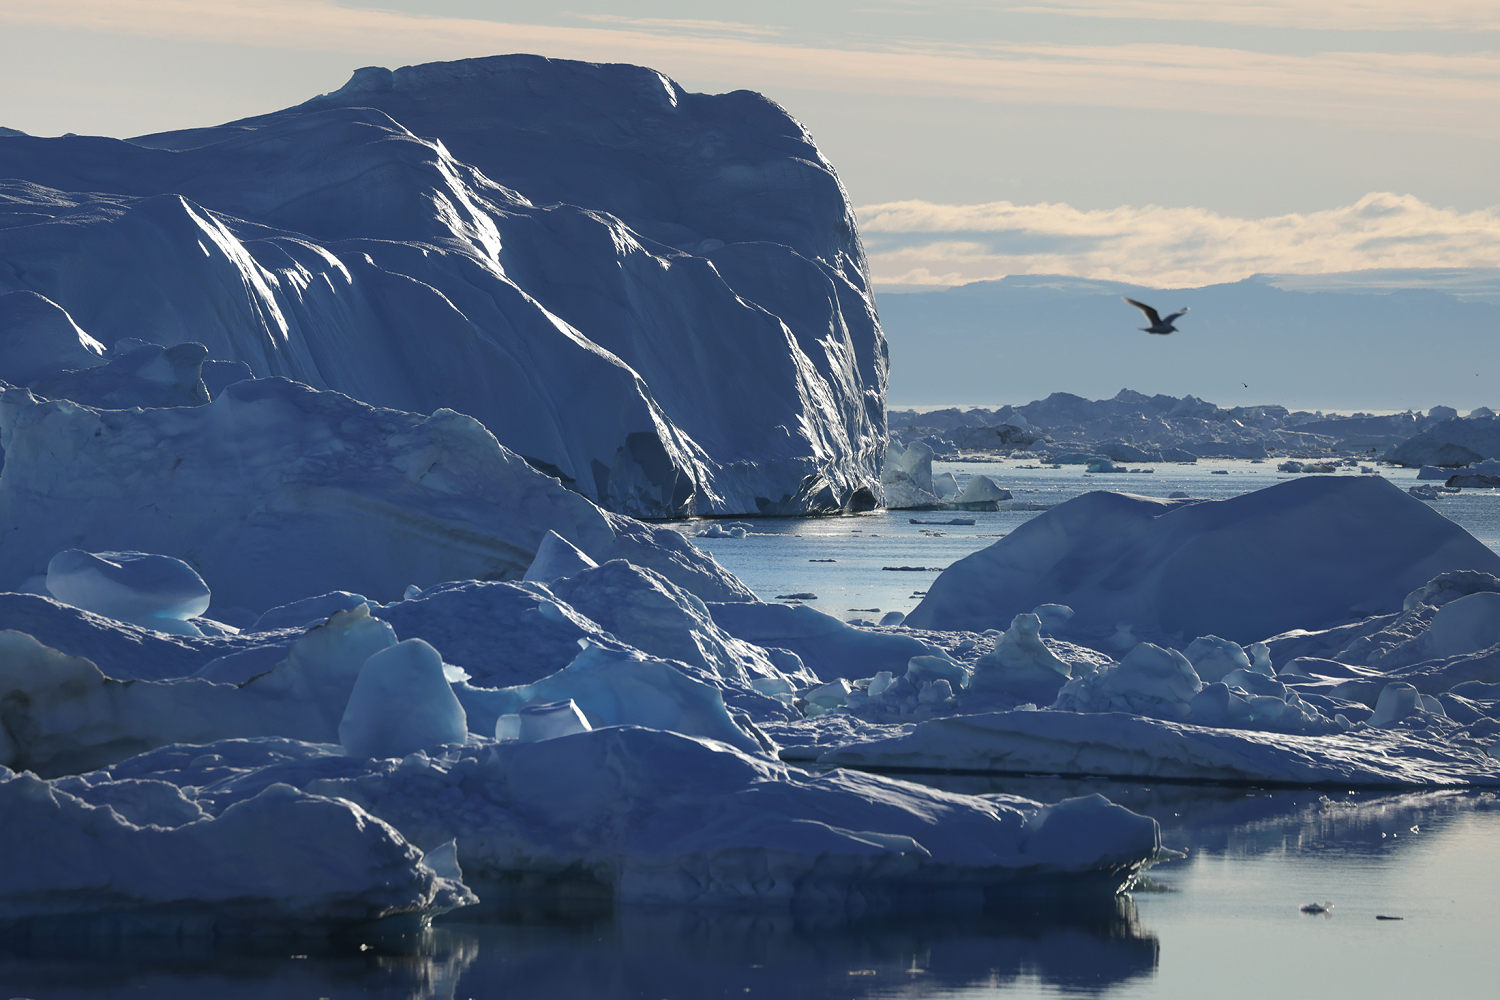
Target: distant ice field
<point x="843" y="560"/>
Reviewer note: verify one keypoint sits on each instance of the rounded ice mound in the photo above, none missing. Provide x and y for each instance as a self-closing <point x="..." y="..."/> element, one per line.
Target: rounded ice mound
<point x="401" y="702"/>
<point x="142" y="588"/>
<point x="1311" y="552"/>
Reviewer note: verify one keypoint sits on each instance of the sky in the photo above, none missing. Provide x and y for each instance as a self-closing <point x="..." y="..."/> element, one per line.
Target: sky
<point x="1160" y="142"/>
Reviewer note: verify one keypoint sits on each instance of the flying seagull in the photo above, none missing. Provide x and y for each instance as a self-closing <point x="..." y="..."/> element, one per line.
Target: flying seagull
<point x="1158" y="324"/>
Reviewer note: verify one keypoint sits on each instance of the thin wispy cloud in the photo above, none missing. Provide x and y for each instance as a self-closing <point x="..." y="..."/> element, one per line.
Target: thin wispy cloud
<point x="1336" y="15"/>
<point x="921" y="243"/>
<point x="1405" y="91"/>
<point x="686" y="26"/>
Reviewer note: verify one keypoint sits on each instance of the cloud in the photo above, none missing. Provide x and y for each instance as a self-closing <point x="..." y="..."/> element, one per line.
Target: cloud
<point x="922" y="243"/>
<point x="686" y="26"/>
<point x="1411" y="92"/>
<point x="1345" y="15"/>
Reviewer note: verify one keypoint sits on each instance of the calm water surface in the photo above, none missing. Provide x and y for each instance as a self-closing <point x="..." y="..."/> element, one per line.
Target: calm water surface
<point x="859" y="566"/>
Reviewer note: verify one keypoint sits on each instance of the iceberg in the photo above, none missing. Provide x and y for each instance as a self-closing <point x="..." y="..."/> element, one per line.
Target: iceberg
<point x="1307" y="553"/>
<point x="85" y="846"/>
<point x="561" y="233"/>
<point x="1455" y="441"/>
<point x="644" y="816"/>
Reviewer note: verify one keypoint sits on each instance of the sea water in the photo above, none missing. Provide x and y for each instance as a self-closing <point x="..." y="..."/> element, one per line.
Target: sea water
<point x="857" y="567"/>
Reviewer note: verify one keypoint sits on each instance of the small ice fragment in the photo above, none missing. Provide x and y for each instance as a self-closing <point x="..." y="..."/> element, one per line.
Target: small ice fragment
<point x="552" y="719"/>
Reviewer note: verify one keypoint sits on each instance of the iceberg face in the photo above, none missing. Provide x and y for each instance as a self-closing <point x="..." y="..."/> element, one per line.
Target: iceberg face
<point x="1307" y="553"/>
<point x="309" y="243"/>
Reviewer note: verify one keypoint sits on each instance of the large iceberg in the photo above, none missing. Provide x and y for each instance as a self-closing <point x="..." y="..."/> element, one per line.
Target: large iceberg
<point x="1307" y="553"/>
<point x="659" y="297"/>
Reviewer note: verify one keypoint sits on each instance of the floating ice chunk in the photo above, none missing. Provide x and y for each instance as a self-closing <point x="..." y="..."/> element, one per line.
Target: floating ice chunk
<point x="1450" y="586"/>
<point x="1150" y="681"/>
<point x="323" y="665"/>
<point x="717" y="530"/>
<point x="401" y="702"/>
<point x="145" y="589"/>
<point x="556" y="557"/>
<point x="1464" y="625"/>
<point x="1217" y="705"/>
<point x="615" y="687"/>
<point x="1260" y="659"/>
<point x="906" y="476"/>
<point x="827" y="696"/>
<point x="981" y="491"/>
<point x="827" y="646"/>
<point x="922" y="670"/>
<point x="550" y="720"/>
<point x="135" y="373"/>
<point x="443" y="860"/>
<point x="936" y="692"/>
<point x="105" y="845"/>
<point x="1020" y="667"/>
<point x="1397" y="701"/>
<point x="1235" y="568"/>
<point x="308" y="611"/>
<point x="945" y="485"/>
<point x="1052" y="616"/>
<point x="892" y="618"/>
<point x="641" y="607"/>
<point x="1213" y="657"/>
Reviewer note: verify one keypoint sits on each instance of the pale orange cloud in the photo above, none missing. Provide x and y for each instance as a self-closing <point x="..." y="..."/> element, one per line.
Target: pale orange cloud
<point x="921" y="243"/>
<point x="1393" y="91"/>
<point x="1343" y="15"/>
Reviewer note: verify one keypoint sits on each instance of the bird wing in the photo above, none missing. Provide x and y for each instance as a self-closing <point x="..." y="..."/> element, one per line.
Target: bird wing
<point x="1151" y="314"/>
<point x="1179" y="312"/>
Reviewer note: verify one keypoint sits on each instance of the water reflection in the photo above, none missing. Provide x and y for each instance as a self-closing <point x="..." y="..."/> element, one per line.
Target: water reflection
<point x="1252" y="858"/>
<point x="656" y="952"/>
<point x="693" y="953"/>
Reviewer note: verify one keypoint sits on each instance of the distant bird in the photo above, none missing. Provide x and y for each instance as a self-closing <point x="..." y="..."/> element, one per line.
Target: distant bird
<point x="1158" y="324"/>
